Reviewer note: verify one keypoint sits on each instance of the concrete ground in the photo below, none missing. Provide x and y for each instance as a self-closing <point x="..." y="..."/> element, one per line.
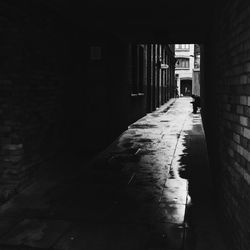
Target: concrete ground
<point x="150" y="189"/>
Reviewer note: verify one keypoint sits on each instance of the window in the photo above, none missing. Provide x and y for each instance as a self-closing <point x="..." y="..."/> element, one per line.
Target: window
<point x="182" y="63"/>
<point x="182" y="46"/>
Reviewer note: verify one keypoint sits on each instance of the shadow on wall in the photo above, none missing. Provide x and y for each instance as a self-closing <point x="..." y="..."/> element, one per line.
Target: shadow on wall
<point x="95" y="101"/>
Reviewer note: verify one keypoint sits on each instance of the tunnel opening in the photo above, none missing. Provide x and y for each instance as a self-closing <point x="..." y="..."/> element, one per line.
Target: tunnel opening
<point x="187" y="69"/>
<point x="75" y="78"/>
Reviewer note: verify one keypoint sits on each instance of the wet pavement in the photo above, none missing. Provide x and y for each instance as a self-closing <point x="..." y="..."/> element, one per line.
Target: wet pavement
<point x="150" y="190"/>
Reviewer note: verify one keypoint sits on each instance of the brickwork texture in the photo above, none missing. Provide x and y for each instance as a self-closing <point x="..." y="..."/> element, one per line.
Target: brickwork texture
<point x="30" y="82"/>
<point x="227" y="71"/>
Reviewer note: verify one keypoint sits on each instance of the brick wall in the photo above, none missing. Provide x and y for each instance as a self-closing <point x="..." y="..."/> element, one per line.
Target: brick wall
<point x="30" y="89"/>
<point x="227" y="116"/>
<point x="53" y="96"/>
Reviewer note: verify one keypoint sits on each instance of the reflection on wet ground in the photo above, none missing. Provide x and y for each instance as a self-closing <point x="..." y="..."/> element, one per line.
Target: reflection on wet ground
<point x="142" y="192"/>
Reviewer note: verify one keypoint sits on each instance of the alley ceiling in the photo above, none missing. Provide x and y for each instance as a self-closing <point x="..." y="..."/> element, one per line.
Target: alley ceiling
<point x="144" y="20"/>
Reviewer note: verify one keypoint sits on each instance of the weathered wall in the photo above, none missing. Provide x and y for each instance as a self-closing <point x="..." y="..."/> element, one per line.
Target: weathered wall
<point x="226" y="113"/>
<point x="158" y="82"/>
<point x="30" y="87"/>
<point x="52" y="95"/>
<point x="64" y="87"/>
<point x="97" y="94"/>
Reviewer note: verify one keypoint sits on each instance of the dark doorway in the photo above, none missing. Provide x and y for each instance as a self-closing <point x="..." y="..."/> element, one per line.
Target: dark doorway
<point x="186" y="87"/>
<point x="140" y="68"/>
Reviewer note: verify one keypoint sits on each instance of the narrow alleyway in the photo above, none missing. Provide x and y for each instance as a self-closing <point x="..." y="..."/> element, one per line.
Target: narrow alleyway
<point x="149" y="190"/>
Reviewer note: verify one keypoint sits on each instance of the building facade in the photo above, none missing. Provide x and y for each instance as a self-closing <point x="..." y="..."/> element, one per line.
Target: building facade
<point x="184" y="54"/>
<point x="151" y="77"/>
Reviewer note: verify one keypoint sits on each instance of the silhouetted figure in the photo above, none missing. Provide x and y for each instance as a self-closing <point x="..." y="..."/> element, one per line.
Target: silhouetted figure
<point x="196" y="103"/>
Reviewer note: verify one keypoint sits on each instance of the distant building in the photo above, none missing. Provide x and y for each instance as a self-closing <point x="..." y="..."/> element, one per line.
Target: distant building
<point x="184" y="54"/>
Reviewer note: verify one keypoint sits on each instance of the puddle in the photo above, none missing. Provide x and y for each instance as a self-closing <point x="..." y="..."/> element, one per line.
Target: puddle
<point x="143" y="126"/>
<point x="147" y="152"/>
<point x="123" y="158"/>
<point x="138" y="135"/>
<point x="166" y="109"/>
<point x="127" y="144"/>
<point x="144" y="140"/>
<point x="155" y="115"/>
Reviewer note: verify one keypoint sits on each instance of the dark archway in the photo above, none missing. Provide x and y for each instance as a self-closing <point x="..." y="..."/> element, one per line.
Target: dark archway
<point x="186" y="87"/>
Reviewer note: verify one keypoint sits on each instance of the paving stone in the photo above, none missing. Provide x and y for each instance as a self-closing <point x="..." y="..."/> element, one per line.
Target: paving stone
<point x="175" y="191"/>
<point x="166" y="235"/>
<point x="134" y="213"/>
<point x="6" y="224"/>
<point x="172" y="213"/>
<point x="35" y="233"/>
<point x="104" y="237"/>
<point x="133" y="197"/>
